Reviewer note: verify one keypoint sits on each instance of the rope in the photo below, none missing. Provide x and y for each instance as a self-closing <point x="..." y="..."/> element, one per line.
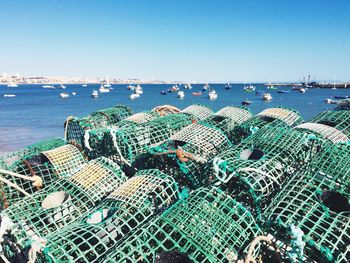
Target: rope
<point x="249" y="258"/>
<point x="116" y="146"/>
<point x="37" y="181"/>
<point x="14" y="186"/>
<point x="32" y="172"/>
<point x="70" y="118"/>
<point x="184" y="156"/>
<point x="164" y="109"/>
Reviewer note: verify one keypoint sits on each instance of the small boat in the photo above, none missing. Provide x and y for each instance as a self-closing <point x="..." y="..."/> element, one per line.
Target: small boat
<point x="130" y="87"/>
<point x="341" y="97"/>
<point x="212" y="95"/>
<point x="84" y="85"/>
<point x="283" y="91"/>
<point x="246" y="102"/>
<point x="134" y="96"/>
<point x="174" y="88"/>
<point x="330" y="101"/>
<point x="188" y="86"/>
<point x="267" y="96"/>
<point x="12" y="85"/>
<point x="94" y="94"/>
<point x="103" y="89"/>
<point x="271" y="87"/>
<point x="138" y="89"/>
<point x="199" y="93"/>
<point x="107" y="85"/>
<point x="228" y="86"/>
<point x="249" y="88"/>
<point x="9" y="95"/>
<point x="62" y="86"/>
<point x="49" y="87"/>
<point x="180" y="94"/>
<point x="259" y="92"/>
<point x="64" y="95"/>
<point x="164" y="92"/>
<point x="302" y="90"/>
<point x="74" y="93"/>
<point x="206" y="86"/>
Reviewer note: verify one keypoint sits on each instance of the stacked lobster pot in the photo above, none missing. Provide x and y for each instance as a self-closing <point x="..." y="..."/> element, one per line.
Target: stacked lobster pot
<point x="185" y="154"/>
<point x="310" y="218"/>
<point x="74" y="128"/>
<point x="287" y="116"/>
<point x="35" y="171"/>
<point x="25" y="224"/>
<point x="229" y="117"/>
<point x="198" y="112"/>
<point x="208" y="226"/>
<point x="128" y="208"/>
<point x="124" y="144"/>
<point x="253" y="171"/>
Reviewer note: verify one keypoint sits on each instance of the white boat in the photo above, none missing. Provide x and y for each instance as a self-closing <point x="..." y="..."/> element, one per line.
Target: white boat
<point x="138" y="89"/>
<point x="267" y="96"/>
<point x="206" y="86"/>
<point x="94" y="94"/>
<point x="64" y="95"/>
<point x="228" y="86"/>
<point x="62" y="86"/>
<point x="249" y="88"/>
<point x="107" y="85"/>
<point x="180" y="94"/>
<point x="74" y="93"/>
<point x="130" y="87"/>
<point x="134" y="96"/>
<point x="9" y="95"/>
<point x="174" y="88"/>
<point x="330" y="101"/>
<point x="103" y="89"/>
<point x="48" y="87"/>
<point x="84" y="85"/>
<point x="302" y="90"/>
<point x="188" y="86"/>
<point x="12" y="85"/>
<point x="212" y="95"/>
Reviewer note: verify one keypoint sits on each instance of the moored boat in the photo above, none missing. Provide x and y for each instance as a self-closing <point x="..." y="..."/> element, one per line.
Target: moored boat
<point x="212" y="95"/>
<point x="64" y="95"/>
<point x="138" y="89"/>
<point x="302" y="90"/>
<point x="163" y="92"/>
<point x="48" y="86"/>
<point x="180" y="94"/>
<point x="199" y="93"/>
<point x="283" y="91"/>
<point x="103" y="89"/>
<point x="228" y="86"/>
<point x="267" y="97"/>
<point x="134" y="96"/>
<point x="246" y="102"/>
<point x="249" y="88"/>
<point x="12" y="85"/>
<point x="94" y="94"/>
<point x="9" y="95"/>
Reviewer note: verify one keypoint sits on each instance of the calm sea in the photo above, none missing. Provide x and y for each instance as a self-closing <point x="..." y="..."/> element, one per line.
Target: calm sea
<point x="36" y="113"/>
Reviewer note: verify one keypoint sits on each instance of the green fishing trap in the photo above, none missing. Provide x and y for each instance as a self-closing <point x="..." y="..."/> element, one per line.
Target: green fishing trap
<point x="287" y="116"/>
<point x="208" y="226"/>
<point x="184" y="154"/>
<point x="254" y="170"/>
<point x="60" y="204"/>
<point x="30" y="174"/>
<point x="198" y="111"/>
<point x="124" y="144"/>
<point x="75" y="127"/>
<point x="229" y="117"/>
<point x="310" y="218"/>
<point x="128" y="208"/>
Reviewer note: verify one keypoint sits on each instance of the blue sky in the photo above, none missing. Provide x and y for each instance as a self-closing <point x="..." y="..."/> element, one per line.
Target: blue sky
<point x="193" y="40"/>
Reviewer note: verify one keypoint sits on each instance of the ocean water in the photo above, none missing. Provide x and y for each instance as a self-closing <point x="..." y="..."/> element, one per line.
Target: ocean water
<point x="36" y="113"/>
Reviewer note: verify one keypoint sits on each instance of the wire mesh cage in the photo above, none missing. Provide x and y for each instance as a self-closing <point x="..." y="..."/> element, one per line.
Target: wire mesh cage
<point x="130" y="206"/>
<point x="124" y="144"/>
<point x="310" y="217"/>
<point x="184" y="154"/>
<point x="27" y="176"/>
<point x="287" y="116"/>
<point x="198" y="111"/>
<point x="254" y="170"/>
<point x="59" y="205"/>
<point x="339" y="120"/>
<point x="75" y="127"/>
<point x="208" y="226"/>
<point x="229" y="117"/>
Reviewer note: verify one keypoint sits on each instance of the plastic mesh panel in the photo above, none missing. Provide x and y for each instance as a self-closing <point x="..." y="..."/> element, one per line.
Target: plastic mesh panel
<point x="198" y="111"/>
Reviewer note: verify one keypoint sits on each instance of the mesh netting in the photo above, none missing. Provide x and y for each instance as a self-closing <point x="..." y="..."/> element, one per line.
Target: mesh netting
<point x="289" y="117"/>
<point x="60" y="204"/>
<point x="198" y="111"/>
<point x="208" y="226"/>
<point x="124" y="144"/>
<point x="183" y="155"/>
<point x="324" y="131"/>
<point x="140" y="117"/>
<point x="227" y="118"/>
<point x="254" y="170"/>
<point x="75" y="127"/>
<point x="339" y="120"/>
<point x="47" y="166"/>
<point x="130" y="206"/>
<point x="314" y="208"/>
